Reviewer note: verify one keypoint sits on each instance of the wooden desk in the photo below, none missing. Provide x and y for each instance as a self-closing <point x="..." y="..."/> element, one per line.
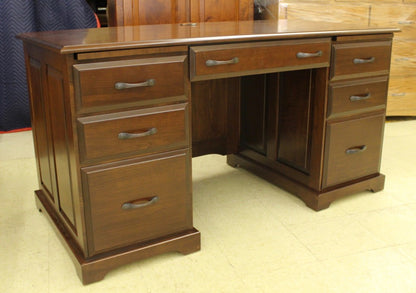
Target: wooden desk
<point x="117" y="114"/>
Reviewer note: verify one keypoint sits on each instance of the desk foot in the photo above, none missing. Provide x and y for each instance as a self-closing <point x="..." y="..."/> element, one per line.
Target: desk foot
<point x="94" y="269"/>
<point x="316" y="200"/>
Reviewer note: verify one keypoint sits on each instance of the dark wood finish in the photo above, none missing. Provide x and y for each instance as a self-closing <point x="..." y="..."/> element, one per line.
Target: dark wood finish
<point x="215" y="116"/>
<point x="99" y="134"/>
<point x="275" y="124"/>
<point x="167" y="177"/>
<point x="341" y="103"/>
<point x="308" y="118"/>
<point x="148" y="36"/>
<point x="257" y="58"/>
<point x="366" y="132"/>
<point x="254" y="113"/>
<point x="295" y="102"/>
<point x="345" y="53"/>
<point x="95" y="82"/>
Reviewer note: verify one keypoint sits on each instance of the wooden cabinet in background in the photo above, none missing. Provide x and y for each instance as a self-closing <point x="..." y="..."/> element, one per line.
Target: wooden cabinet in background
<point x="138" y="12"/>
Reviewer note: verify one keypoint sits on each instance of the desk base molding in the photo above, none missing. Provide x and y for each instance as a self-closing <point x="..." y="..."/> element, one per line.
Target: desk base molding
<point x="316" y="200"/>
<point x="94" y="269"/>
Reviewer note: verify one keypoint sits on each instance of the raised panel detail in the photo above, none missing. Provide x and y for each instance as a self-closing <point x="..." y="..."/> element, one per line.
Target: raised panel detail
<point x="295" y="116"/>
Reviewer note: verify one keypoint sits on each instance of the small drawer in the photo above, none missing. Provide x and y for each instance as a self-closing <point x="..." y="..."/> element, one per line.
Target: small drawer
<point x="218" y="61"/>
<point x="360" y="59"/>
<point x="133" y="132"/>
<point x="129" y="82"/>
<point x="357" y="96"/>
<point x="352" y="149"/>
<point x="137" y="200"/>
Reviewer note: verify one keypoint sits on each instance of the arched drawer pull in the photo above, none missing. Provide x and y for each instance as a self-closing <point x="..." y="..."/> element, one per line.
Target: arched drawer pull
<point x="210" y="63"/>
<point x="360" y="98"/>
<point x="133" y="206"/>
<point x="364" y="60"/>
<point x="125" y="85"/>
<point x="355" y="150"/>
<point x="126" y="135"/>
<point x="302" y="55"/>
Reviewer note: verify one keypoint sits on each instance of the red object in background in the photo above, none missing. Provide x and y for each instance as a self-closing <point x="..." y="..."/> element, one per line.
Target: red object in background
<point x="98" y="21"/>
<point x="17" y="130"/>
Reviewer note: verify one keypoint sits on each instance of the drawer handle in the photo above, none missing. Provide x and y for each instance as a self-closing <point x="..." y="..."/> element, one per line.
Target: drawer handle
<point x="365" y="60"/>
<point x="133" y="206"/>
<point x="360" y="98"/>
<point x="125" y="85"/>
<point x="210" y="63"/>
<point x="126" y="135"/>
<point x="355" y="150"/>
<point x="193" y="24"/>
<point x="302" y="55"/>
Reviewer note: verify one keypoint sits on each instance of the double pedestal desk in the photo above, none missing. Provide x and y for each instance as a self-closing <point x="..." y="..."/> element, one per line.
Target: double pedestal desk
<point x="118" y="113"/>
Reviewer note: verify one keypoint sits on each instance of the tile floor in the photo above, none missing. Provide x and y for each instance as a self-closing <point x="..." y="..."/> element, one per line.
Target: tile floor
<point x="255" y="237"/>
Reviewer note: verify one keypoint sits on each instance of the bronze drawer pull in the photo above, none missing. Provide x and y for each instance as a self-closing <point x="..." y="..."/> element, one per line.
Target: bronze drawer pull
<point x="360" y="98"/>
<point x="302" y="55"/>
<point x="210" y="63"/>
<point x="126" y="135"/>
<point x="133" y="206"/>
<point x="125" y="85"/>
<point x="362" y="61"/>
<point x="355" y="150"/>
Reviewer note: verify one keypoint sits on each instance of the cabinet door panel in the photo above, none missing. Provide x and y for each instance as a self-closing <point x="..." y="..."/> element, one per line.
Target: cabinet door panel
<point x="138" y="12"/>
<point x="221" y="10"/>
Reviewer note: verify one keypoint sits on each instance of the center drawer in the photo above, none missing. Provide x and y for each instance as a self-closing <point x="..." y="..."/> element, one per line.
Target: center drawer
<point x="218" y="61"/>
<point x="133" y="132"/>
<point x="137" y="200"/>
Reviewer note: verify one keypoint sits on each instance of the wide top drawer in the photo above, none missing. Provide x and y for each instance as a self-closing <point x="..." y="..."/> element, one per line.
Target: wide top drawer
<point x="353" y="60"/>
<point x="115" y="84"/>
<point x="220" y="61"/>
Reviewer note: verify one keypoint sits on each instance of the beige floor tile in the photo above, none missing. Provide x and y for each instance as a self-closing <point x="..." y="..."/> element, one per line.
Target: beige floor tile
<point x="384" y="270"/>
<point x="394" y="226"/>
<point x="336" y="237"/>
<point x="17" y="145"/>
<point x="409" y="250"/>
<point x="306" y="278"/>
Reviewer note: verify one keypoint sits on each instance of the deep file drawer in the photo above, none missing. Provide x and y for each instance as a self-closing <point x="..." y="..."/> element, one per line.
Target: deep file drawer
<point x="352" y="149"/>
<point x="137" y="200"/>
<point x="133" y="132"/>
<point x="128" y="82"/>
<point x="216" y="61"/>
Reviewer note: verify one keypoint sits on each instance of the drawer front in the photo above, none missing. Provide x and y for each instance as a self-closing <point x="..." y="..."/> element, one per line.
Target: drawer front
<point x="117" y="83"/>
<point x="353" y="149"/>
<point x="217" y="61"/>
<point x="137" y="201"/>
<point x="357" y="96"/>
<point x="133" y="132"/>
<point x="360" y="59"/>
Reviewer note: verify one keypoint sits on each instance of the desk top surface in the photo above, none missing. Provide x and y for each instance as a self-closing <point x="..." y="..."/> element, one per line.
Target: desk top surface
<point x="129" y="37"/>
